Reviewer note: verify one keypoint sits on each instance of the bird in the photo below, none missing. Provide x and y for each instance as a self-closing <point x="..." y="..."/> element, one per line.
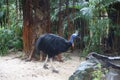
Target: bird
<point x="52" y="45"/>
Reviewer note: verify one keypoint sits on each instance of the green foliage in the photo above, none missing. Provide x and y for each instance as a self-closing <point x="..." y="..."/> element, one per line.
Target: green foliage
<point x="117" y="30"/>
<point x="9" y="39"/>
<point x="97" y="74"/>
<point x="4" y="38"/>
<point x="55" y="13"/>
<point x="11" y="32"/>
<point x="98" y="29"/>
<point x="98" y="26"/>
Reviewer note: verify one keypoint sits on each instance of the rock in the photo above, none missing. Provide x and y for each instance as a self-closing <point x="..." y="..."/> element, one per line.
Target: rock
<point x="86" y="68"/>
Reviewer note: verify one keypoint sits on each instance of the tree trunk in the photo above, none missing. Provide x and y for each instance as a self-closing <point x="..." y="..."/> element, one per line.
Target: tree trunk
<point x="27" y="26"/>
<point x="7" y="13"/>
<point x="36" y="21"/>
<point x="68" y="18"/>
<point x="60" y="31"/>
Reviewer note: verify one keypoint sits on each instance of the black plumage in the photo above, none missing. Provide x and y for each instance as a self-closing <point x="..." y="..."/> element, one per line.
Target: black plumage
<point x="52" y="45"/>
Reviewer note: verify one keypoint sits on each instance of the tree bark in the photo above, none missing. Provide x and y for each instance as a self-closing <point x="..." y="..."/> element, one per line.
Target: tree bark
<point x="36" y="21"/>
<point x="60" y="19"/>
<point x="27" y="26"/>
<point x="68" y="19"/>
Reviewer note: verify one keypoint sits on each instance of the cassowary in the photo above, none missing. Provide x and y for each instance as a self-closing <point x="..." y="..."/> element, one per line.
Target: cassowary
<point x="52" y="45"/>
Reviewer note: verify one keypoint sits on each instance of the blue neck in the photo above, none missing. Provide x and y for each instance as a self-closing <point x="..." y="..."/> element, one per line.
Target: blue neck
<point x="71" y="39"/>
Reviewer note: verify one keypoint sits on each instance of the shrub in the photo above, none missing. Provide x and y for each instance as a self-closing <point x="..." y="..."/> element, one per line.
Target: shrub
<point x="9" y="39"/>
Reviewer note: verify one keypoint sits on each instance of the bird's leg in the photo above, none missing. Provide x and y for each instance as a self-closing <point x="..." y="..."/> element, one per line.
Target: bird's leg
<point x="45" y="66"/>
<point x="41" y="56"/>
<point x="72" y="48"/>
<point x="53" y="68"/>
<point x="59" y="58"/>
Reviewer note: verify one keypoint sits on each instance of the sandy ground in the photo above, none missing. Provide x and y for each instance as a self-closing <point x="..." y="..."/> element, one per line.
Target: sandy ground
<point x="12" y="68"/>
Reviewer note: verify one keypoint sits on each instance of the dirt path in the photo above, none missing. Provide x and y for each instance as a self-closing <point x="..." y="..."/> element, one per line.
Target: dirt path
<point x="16" y="69"/>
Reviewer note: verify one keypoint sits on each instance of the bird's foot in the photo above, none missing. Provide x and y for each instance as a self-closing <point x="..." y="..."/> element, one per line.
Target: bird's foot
<point x="28" y="60"/>
<point x="45" y="66"/>
<point x="61" y="60"/>
<point x="55" y="71"/>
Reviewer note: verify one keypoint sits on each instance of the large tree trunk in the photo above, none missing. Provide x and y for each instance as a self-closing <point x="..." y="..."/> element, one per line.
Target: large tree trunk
<point x="27" y="26"/>
<point x="36" y="21"/>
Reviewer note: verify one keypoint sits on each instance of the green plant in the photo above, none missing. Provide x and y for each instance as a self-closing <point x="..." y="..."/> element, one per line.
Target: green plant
<point x="98" y="26"/>
<point x="5" y="36"/>
<point x="56" y="9"/>
<point x="97" y="74"/>
<point x="10" y="38"/>
<point x="11" y="32"/>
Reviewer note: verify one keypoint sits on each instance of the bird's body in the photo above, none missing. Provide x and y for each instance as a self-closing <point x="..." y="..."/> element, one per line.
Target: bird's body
<point x="52" y="45"/>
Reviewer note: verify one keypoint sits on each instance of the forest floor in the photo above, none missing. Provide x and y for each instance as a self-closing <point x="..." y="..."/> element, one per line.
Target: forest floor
<point x="14" y="68"/>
